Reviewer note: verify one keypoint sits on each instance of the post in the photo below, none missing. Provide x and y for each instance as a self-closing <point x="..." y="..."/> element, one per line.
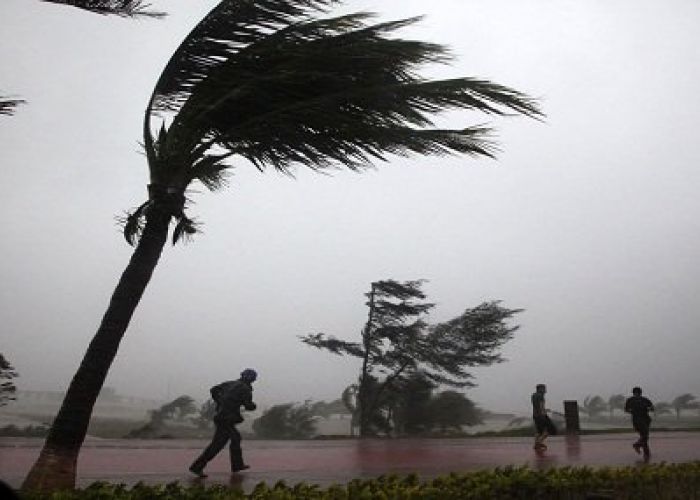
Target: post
<point x="571" y="417"/>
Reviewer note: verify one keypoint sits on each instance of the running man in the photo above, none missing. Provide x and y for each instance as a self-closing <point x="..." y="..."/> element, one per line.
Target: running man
<point x="639" y="407"/>
<point x="543" y="424"/>
<point x="229" y="397"/>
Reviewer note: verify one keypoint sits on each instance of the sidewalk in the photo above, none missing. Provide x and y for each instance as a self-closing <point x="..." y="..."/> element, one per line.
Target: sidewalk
<point x="338" y="461"/>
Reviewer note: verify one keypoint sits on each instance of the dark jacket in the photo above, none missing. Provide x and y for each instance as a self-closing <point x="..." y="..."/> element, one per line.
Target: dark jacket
<point x="229" y="397"/>
<point x="639" y="407"/>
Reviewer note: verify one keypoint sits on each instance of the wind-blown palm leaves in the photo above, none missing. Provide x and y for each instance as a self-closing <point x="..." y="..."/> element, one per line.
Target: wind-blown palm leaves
<point x="8" y="105"/>
<point x="123" y="8"/>
<point x="266" y="81"/>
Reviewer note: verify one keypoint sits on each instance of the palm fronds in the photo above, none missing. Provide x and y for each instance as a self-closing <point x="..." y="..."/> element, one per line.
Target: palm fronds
<point x="122" y="8"/>
<point x="267" y="81"/>
<point x="275" y="83"/>
<point x="8" y="105"/>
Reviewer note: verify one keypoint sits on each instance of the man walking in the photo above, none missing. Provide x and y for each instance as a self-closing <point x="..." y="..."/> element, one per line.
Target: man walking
<point x="229" y="397"/>
<point x="543" y="424"/>
<point x="639" y="407"/>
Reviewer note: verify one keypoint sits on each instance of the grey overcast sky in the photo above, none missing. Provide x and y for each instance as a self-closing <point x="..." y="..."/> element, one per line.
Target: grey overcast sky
<point x="589" y="221"/>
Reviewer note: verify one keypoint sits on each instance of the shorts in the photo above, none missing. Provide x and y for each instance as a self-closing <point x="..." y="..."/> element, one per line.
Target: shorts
<point x="544" y="423"/>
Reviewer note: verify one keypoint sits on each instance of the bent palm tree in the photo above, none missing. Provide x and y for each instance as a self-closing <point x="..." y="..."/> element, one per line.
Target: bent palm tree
<point x="123" y="8"/>
<point x="268" y="82"/>
<point x="685" y="401"/>
<point x="593" y="406"/>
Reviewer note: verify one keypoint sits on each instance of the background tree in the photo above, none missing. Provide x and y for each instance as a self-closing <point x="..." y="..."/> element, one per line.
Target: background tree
<point x="270" y="82"/>
<point x="327" y="408"/>
<point x="177" y="410"/>
<point x="122" y="8"/>
<point x="616" y="402"/>
<point x="7" y="386"/>
<point x="450" y="410"/>
<point x="205" y="415"/>
<point x="397" y="342"/>
<point x="286" y="421"/>
<point x="683" y="402"/>
<point x="663" y="407"/>
<point x="594" y="406"/>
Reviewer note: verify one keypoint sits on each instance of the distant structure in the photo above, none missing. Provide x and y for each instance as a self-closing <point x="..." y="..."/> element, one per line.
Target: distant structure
<point x="109" y="404"/>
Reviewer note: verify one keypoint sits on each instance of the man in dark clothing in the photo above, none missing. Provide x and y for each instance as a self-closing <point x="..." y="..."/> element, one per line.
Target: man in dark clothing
<point x="543" y="424"/>
<point x="229" y="397"/>
<point x="639" y="407"/>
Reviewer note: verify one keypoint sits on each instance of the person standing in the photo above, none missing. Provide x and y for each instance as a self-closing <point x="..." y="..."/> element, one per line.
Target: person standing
<point x="639" y="407"/>
<point x="543" y="424"/>
<point x="229" y="397"/>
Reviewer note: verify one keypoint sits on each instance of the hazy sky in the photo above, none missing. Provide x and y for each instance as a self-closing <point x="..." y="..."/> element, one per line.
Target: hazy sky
<point x="589" y="221"/>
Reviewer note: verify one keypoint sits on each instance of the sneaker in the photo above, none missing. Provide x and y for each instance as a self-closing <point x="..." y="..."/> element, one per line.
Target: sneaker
<point x="238" y="469"/>
<point x="637" y="447"/>
<point x="197" y="472"/>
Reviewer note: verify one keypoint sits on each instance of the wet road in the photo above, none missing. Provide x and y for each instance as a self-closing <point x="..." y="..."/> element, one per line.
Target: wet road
<point x="337" y="461"/>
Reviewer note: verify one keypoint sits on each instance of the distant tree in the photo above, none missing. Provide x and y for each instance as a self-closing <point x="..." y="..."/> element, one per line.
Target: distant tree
<point x="286" y="421"/>
<point x="616" y="402"/>
<point x="205" y="414"/>
<point x="7" y="386"/>
<point x="122" y="8"/>
<point x="326" y="408"/>
<point x="275" y="84"/>
<point x="178" y="409"/>
<point x="594" y="406"/>
<point x="663" y="407"/>
<point x="452" y="410"/>
<point x="684" y="402"/>
<point x="396" y="341"/>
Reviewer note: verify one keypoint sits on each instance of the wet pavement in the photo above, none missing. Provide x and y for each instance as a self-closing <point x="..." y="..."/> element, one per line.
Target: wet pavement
<point x="338" y="461"/>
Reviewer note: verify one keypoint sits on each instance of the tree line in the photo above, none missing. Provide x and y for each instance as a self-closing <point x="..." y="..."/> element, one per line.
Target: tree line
<point x="595" y="405"/>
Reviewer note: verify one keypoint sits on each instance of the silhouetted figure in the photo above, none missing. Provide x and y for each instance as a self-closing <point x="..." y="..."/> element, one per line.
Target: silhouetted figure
<point x="229" y="397"/>
<point x="639" y="407"/>
<point x="543" y="424"/>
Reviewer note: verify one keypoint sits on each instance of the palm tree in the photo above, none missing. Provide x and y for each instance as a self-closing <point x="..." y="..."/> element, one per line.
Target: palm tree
<point x="123" y="8"/>
<point x="685" y="401"/>
<point x="616" y="402"/>
<point x="8" y="105"/>
<point x="269" y="82"/>
<point x="662" y="408"/>
<point x="593" y="406"/>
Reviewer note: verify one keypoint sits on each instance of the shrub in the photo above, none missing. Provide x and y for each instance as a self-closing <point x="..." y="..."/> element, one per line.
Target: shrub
<point x="648" y="482"/>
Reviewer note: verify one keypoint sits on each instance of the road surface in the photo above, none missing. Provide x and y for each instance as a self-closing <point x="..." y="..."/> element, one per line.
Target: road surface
<point x="338" y="461"/>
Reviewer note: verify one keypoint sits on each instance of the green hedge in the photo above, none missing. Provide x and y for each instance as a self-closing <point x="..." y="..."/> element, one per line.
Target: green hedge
<point x="657" y="481"/>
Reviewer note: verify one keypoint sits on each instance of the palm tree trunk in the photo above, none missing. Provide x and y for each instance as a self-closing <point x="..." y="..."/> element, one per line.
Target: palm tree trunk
<point x="56" y="466"/>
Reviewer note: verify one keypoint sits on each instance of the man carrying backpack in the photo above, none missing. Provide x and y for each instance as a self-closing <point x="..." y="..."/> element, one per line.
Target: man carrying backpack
<point x="229" y="397"/>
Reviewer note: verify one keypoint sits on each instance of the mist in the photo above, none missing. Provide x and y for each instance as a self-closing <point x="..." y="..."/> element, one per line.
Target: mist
<point x="588" y="220"/>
